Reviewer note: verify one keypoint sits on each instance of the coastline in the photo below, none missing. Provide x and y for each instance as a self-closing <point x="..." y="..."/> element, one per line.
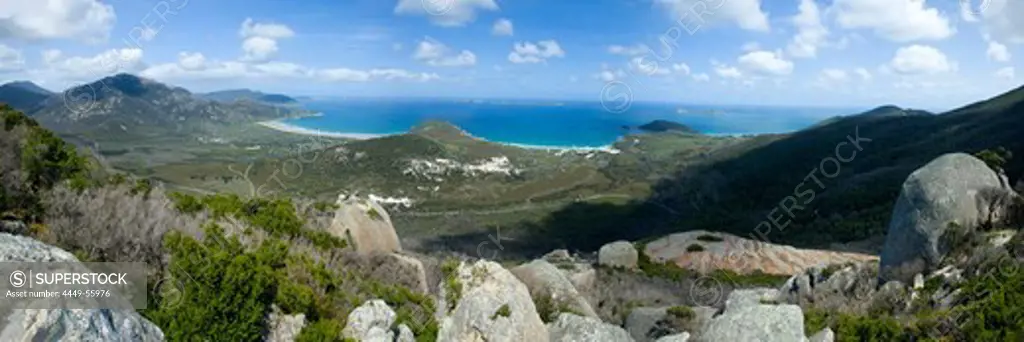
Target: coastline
<point x="281" y="126"/>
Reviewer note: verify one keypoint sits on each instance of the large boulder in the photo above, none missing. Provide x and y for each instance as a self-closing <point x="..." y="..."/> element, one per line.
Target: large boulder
<point x="547" y="282"/>
<point x="491" y="305"/>
<point x="953" y="192"/>
<point x="66" y="324"/>
<point x="284" y="328"/>
<point x="365" y="224"/>
<point x="747" y="317"/>
<point x="618" y="254"/>
<point x="370" y="322"/>
<point x="647" y="324"/>
<point x="573" y="328"/>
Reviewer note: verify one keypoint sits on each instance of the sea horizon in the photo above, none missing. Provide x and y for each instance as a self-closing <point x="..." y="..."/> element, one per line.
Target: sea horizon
<point x="543" y="124"/>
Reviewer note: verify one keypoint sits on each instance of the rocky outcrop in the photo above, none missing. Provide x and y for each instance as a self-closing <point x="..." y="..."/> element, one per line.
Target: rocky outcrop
<point x="573" y="328"/>
<point x="370" y="322"/>
<point x="705" y="251"/>
<point x="13" y="227"/>
<point x="953" y="192"/>
<point x="405" y="334"/>
<point x="825" y="335"/>
<point x="618" y="254"/>
<point x="365" y="224"/>
<point x="747" y="318"/>
<point x="647" y="324"/>
<point x="64" y="324"/>
<point x="548" y="282"/>
<point x="491" y="305"/>
<point x="284" y="328"/>
<point x="681" y="337"/>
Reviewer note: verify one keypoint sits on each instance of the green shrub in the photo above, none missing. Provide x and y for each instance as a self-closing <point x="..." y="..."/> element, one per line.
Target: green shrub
<point x="453" y="288"/>
<point x="321" y="331"/>
<point x="681" y="312"/>
<point x="694" y="248"/>
<point x="374" y="214"/>
<point x="226" y="291"/>
<point x="995" y="159"/>
<point x="186" y="203"/>
<point x="503" y="311"/>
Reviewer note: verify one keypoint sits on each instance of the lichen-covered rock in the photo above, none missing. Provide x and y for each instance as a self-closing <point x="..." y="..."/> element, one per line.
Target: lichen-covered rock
<point x="572" y="328"/>
<point x="405" y="334"/>
<point x="953" y="191"/>
<point x="825" y="335"/>
<point x="680" y="337"/>
<point x="746" y="319"/>
<point x="618" y="254"/>
<point x="13" y="227"/>
<point x="66" y="324"/>
<point x="545" y="280"/>
<point x="365" y="224"/>
<point x="284" y="328"/>
<point x="642" y="320"/>
<point x="492" y="305"/>
<point x="370" y="322"/>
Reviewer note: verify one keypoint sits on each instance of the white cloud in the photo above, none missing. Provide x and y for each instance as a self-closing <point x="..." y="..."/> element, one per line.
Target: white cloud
<point x="435" y="53"/>
<point x="647" y="67"/>
<point x="634" y="50"/>
<point x="1006" y="73"/>
<point x="191" y="61"/>
<point x="1002" y="18"/>
<point x="447" y="13"/>
<point x="260" y="42"/>
<point x="10" y="59"/>
<point x="726" y="71"/>
<point x="51" y="55"/>
<point x="766" y="62"/>
<point x="811" y="33"/>
<point x="997" y="52"/>
<point x="258" y="49"/>
<point x="896" y="20"/>
<point x="746" y="14"/>
<point x="535" y="53"/>
<point x="920" y="59"/>
<point x="834" y="75"/>
<point x="87" y="20"/>
<point x="681" y="68"/>
<point x="502" y="27"/>
<point x="701" y="77"/>
<point x="101" y="65"/>
<point x="863" y="73"/>
<point x="193" y="66"/>
<point x="251" y="28"/>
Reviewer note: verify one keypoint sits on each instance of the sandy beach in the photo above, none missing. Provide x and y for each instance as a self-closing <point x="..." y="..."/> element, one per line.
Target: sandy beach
<point x="281" y="126"/>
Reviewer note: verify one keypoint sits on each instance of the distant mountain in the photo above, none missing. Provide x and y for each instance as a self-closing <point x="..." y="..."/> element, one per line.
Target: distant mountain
<point x="886" y="111"/>
<point x="23" y="95"/>
<point x="246" y="94"/>
<point x="666" y="126"/>
<point x="127" y="104"/>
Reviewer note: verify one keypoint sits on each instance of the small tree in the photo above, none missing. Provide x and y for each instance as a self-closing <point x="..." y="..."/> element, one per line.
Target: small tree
<point x="995" y="159"/>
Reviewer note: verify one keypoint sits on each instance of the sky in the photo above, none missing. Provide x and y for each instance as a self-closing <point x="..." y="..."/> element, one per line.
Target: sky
<point x="932" y="54"/>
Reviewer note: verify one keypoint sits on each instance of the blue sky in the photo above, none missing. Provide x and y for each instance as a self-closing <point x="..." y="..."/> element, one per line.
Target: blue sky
<point x="923" y="53"/>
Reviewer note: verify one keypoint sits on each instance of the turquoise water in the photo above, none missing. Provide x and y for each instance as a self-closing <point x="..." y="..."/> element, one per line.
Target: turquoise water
<point x="552" y="124"/>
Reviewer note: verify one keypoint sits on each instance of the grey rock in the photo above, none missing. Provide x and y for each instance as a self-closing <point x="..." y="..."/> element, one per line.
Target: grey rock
<point x="66" y="324"/>
<point x="745" y="319"/>
<point x="918" y="281"/>
<point x="618" y="254"/>
<point x="370" y="322"/>
<point x="284" y="328"/>
<point x="573" y="328"/>
<point x="680" y="337"/>
<point x="545" y="280"/>
<point x="583" y="279"/>
<point x="641" y="322"/>
<point x="558" y="255"/>
<point x="750" y="297"/>
<point x="13" y="227"/>
<point x="405" y="334"/>
<point x="365" y="224"/>
<point x="954" y="189"/>
<point x="486" y="288"/>
<point x="825" y="335"/>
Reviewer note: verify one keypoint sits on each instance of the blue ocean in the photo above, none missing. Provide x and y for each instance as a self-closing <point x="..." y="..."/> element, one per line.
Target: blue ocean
<point x="549" y="123"/>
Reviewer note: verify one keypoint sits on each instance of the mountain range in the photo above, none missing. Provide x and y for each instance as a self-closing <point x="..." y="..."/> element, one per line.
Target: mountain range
<point x="250" y="95"/>
<point x="126" y="105"/>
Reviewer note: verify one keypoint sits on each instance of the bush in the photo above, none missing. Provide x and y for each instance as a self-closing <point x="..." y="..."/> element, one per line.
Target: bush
<point x="226" y="291"/>
<point x="321" y="331"/>
<point x="681" y="312"/>
<point x="709" y="238"/>
<point x="694" y="248"/>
